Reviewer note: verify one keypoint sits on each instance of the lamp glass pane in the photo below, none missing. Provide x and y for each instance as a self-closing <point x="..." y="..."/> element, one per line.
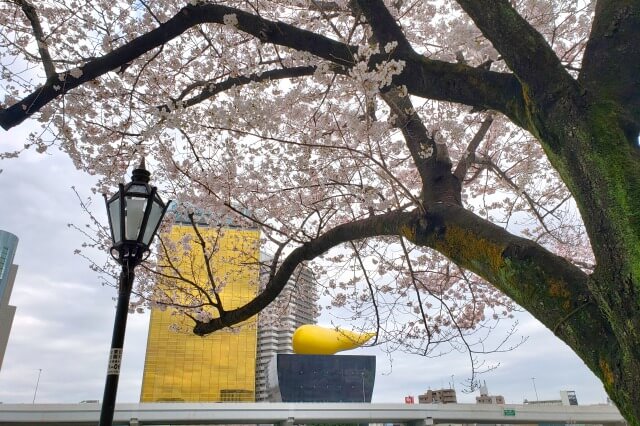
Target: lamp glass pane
<point x="138" y="188"/>
<point x="114" y="216"/>
<point x="135" y="214"/>
<point x="155" y="216"/>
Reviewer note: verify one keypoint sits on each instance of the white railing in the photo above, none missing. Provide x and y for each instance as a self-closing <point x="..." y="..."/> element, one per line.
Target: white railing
<point x="306" y="413"/>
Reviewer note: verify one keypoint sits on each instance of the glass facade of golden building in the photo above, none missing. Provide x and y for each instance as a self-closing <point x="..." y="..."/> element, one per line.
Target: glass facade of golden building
<point x="181" y="366"/>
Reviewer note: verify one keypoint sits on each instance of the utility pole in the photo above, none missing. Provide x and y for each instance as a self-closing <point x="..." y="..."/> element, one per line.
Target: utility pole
<point x="37" y="383"/>
<point x="533" y="379"/>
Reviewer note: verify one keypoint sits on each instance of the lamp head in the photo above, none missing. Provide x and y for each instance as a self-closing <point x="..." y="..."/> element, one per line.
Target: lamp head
<point x="135" y="213"/>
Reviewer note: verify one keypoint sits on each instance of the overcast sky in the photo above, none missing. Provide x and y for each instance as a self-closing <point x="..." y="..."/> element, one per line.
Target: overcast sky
<point x="64" y="316"/>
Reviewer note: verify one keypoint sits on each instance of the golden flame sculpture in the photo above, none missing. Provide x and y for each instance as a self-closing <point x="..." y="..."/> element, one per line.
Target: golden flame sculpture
<point x="315" y="340"/>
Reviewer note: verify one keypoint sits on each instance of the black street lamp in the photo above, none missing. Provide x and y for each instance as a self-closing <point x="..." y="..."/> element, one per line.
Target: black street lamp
<point x="135" y="213"/>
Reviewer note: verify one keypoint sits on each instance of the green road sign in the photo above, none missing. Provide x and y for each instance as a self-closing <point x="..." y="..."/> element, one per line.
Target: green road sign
<point x="509" y="412"/>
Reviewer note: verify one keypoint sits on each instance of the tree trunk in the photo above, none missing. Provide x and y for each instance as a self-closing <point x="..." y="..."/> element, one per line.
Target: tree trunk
<point x="599" y="160"/>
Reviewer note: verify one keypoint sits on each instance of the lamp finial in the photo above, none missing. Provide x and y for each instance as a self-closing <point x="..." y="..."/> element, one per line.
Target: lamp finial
<point x="141" y="174"/>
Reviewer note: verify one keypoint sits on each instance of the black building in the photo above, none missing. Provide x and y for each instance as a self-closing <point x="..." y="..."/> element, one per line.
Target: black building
<point x="321" y="378"/>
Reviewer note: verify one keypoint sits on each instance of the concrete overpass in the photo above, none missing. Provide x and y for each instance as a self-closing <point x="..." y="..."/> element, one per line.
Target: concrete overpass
<point x="287" y="414"/>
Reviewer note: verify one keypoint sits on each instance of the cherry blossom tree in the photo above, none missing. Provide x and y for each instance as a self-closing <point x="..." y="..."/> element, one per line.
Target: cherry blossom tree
<point x="439" y="160"/>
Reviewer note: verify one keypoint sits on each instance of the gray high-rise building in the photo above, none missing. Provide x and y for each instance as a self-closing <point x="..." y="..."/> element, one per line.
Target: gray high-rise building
<point x="8" y="246"/>
<point x="295" y="306"/>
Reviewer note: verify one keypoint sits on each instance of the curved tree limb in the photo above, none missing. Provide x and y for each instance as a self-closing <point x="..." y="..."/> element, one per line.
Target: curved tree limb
<point x="480" y="88"/>
<point x="552" y="289"/>
<point x="548" y="286"/>
<point x="476" y="87"/>
<point x="555" y="291"/>
<point x="520" y="44"/>
<point x="422" y="77"/>
<point x="387" y="224"/>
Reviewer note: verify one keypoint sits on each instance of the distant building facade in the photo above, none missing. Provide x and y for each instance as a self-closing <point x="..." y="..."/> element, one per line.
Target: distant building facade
<point x="440" y="396"/>
<point x="566" y="398"/>
<point x="485" y="398"/>
<point x="295" y="306"/>
<point x="225" y="366"/>
<point x="8" y="246"/>
<point x="220" y="367"/>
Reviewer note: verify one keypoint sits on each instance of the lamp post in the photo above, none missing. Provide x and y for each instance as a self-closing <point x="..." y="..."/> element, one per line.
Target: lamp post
<point x="135" y="213"/>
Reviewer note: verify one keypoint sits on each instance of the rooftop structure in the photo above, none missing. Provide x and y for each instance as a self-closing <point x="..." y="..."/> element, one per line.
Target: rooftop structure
<point x="439" y="396"/>
<point x="485" y="398"/>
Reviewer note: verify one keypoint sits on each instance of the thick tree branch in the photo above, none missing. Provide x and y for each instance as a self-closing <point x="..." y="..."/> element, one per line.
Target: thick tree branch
<point x="611" y="64"/>
<point x="392" y="223"/>
<point x="553" y="290"/>
<point x="546" y="285"/>
<point x="189" y="16"/>
<point x="523" y="48"/>
<point x="385" y="28"/>
<point x="522" y="269"/>
<point x="422" y="77"/>
<point x="431" y="159"/>
<point x="477" y="87"/>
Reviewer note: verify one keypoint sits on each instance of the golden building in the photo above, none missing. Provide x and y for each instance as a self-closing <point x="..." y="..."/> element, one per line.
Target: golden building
<point x="181" y="366"/>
